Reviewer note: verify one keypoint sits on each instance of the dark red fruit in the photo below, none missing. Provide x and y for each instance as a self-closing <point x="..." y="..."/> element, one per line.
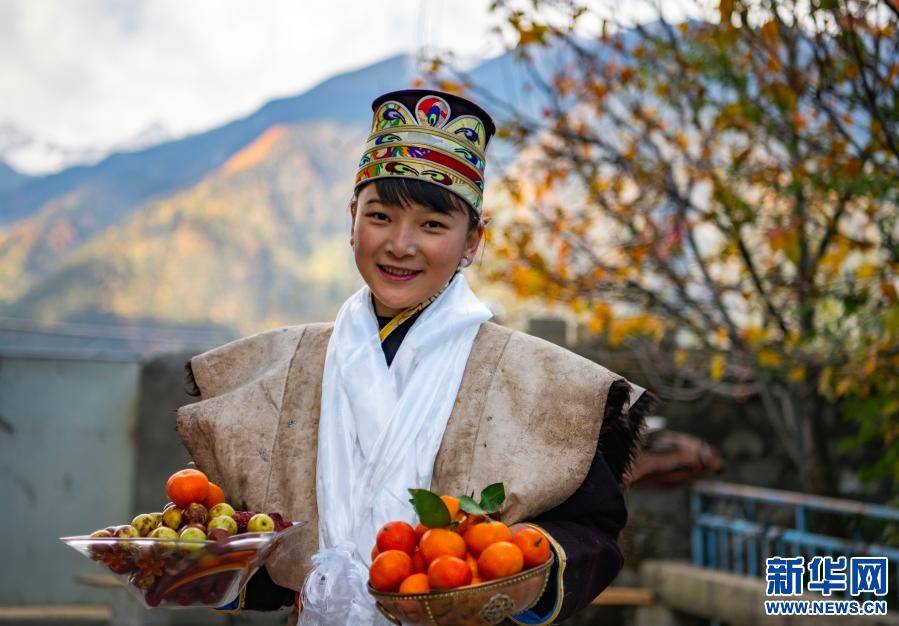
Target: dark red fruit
<point x="222" y="581"/>
<point x="242" y="518"/>
<point x="209" y="597"/>
<point x="152" y="598"/>
<point x="196" y="513"/>
<point x="278" y="519"/>
<point x="120" y="566"/>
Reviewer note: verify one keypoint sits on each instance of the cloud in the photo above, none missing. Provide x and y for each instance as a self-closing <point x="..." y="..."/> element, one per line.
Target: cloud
<point x="95" y="72"/>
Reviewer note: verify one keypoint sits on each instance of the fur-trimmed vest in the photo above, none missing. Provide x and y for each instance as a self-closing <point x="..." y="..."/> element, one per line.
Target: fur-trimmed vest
<point x="528" y="413"/>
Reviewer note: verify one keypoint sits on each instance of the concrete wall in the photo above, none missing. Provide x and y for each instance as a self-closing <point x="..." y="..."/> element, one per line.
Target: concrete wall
<point x="159" y="449"/>
<point x="730" y="598"/>
<point x="67" y="455"/>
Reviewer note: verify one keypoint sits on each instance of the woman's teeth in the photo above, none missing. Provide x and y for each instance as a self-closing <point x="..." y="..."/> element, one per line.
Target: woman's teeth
<point x="396" y="272"/>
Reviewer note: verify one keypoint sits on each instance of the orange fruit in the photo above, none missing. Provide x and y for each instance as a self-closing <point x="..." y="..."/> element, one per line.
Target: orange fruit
<point x="476" y="581"/>
<point x="448" y="572"/>
<point x="418" y="562"/>
<point x="452" y="505"/>
<point x="472" y="565"/>
<point x="396" y="536"/>
<point x="467" y="522"/>
<point x="389" y="569"/>
<point x="186" y="486"/>
<point x="214" y="495"/>
<point x="534" y="546"/>
<point x="499" y="560"/>
<point x="416" y="583"/>
<point x="420" y="531"/>
<point x="439" y="542"/>
<point x="479" y="536"/>
<point x="374" y="553"/>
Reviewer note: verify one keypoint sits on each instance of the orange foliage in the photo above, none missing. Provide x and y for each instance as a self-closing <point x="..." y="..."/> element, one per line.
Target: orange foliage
<point x="254" y="152"/>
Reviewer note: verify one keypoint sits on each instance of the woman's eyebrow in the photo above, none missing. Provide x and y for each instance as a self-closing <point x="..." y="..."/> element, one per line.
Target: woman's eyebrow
<point x="429" y="210"/>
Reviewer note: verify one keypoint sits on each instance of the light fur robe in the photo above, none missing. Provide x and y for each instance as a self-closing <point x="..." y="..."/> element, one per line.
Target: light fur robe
<point x="527" y="413"/>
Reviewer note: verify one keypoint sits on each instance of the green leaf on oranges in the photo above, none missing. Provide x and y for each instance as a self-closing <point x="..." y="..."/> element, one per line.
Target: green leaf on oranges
<point x="468" y="504"/>
<point x="492" y="498"/>
<point x="431" y="510"/>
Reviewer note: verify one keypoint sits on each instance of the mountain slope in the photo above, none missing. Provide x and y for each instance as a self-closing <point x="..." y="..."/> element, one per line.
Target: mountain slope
<point x="50" y="217"/>
<point x="261" y="240"/>
<point x="10" y="178"/>
<point x="125" y="179"/>
<point x="125" y="238"/>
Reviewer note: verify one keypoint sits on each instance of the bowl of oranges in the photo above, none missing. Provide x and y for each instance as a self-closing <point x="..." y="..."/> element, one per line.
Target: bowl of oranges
<point x="458" y="565"/>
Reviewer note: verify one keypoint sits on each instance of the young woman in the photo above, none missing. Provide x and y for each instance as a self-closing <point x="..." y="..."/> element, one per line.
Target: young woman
<point x="412" y="386"/>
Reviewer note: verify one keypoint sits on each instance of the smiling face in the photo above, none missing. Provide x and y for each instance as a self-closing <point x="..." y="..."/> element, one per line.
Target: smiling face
<point x="406" y="251"/>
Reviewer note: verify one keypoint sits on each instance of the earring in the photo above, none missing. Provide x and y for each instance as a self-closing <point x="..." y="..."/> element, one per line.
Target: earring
<point x="464" y="262"/>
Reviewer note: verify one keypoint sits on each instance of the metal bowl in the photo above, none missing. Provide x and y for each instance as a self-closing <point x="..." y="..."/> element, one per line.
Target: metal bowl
<point x="179" y="573"/>
<point x="476" y="605"/>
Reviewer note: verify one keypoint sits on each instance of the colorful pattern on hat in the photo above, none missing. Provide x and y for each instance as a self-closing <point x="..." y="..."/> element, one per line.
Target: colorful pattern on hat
<point x="429" y="141"/>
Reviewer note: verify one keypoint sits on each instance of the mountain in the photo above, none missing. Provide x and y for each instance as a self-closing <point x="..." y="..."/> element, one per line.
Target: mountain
<point x="49" y="217"/>
<point x="152" y="134"/>
<point x="122" y="180"/>
<point x="10" y="178"/>
<point x="262" y="239"/>
<point x="31" y="154"/>
<point x="239" y="226"/>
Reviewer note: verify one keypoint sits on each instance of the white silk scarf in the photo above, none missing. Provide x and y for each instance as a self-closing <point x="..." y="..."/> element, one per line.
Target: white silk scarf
<point x="379" y="434"/>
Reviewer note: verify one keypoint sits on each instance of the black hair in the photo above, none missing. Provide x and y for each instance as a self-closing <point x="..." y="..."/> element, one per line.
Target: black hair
<point x="402" y="191"/>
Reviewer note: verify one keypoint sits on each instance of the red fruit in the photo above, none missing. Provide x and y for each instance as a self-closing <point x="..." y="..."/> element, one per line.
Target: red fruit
<point x="472" y="565"/>
<point x="418" y="562"/>
<point x="448" y="572"/>
<point x="534" y="546"/>
<point x="439" y="542"/>
<point x="152" y="598"/>
<point x="243" y="518"/>
<point x="280" y="522"/>
<point x="196" y="513"/>
<point x="185" y="596"/>
<point x="214" y="495"/>
<point x="416" y="583"/>
<point x="218" y="534"/>
<point x="479" y="536"/>
<point x="396" y="536"/>
<point x="467" y="522"/>
<point x="389" y="570"/>
<point x="186" y="486"/>
<point x="499" y="560"/>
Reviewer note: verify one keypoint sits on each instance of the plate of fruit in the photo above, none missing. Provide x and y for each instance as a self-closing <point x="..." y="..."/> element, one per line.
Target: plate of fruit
<point x="197" y="552"/>
<point x="458" y="565"/>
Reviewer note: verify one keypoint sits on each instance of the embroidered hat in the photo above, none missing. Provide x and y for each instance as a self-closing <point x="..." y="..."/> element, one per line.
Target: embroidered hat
<point x="432" y="136"/>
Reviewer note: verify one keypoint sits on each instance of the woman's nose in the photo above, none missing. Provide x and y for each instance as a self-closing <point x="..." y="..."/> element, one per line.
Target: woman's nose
<point x="402" y="241"/>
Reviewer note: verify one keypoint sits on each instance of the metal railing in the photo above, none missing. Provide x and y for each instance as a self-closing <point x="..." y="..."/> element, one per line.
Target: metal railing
<point x="736" y="527"/>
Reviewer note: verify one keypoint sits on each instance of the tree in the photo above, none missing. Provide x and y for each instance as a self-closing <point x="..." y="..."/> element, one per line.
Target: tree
<point x="722" y="194"/>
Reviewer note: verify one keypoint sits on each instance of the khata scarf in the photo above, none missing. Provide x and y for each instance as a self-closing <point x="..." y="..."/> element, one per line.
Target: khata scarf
<point x="379" y="434"/>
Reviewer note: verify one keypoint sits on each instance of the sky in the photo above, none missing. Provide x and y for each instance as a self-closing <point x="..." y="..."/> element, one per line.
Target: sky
<point x="84" y="76"/>
<point x="94" y="73"/>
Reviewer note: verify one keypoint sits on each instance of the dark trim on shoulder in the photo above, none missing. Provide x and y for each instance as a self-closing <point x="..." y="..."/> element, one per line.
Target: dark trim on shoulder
<point x="621" y="434"/>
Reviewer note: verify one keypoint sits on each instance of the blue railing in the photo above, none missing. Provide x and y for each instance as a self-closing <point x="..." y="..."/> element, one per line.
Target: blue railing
<point x="736" y="527"/>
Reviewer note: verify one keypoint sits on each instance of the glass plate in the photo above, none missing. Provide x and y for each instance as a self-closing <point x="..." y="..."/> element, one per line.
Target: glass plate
<point x="178" y="573"/>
